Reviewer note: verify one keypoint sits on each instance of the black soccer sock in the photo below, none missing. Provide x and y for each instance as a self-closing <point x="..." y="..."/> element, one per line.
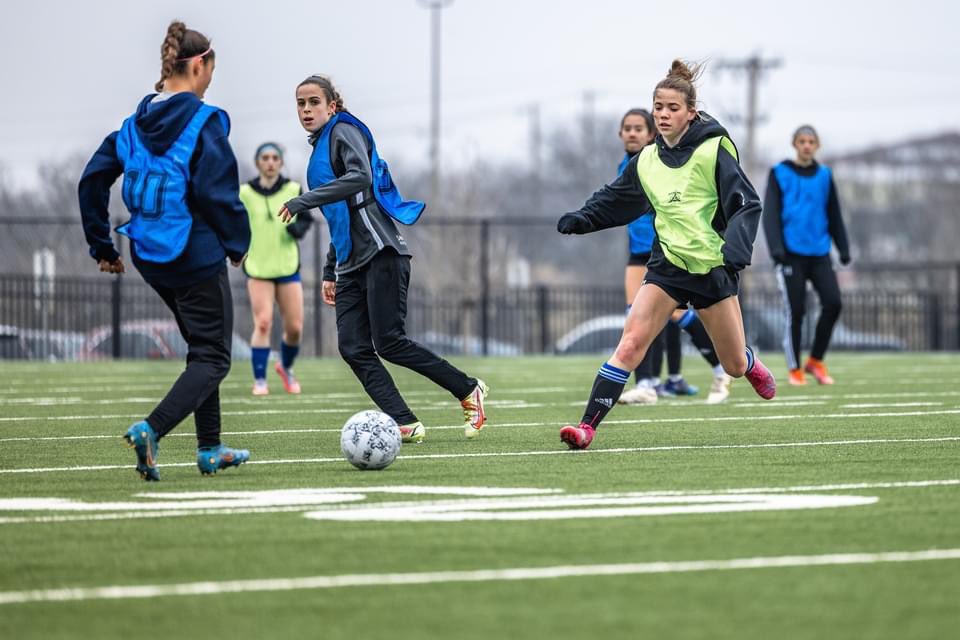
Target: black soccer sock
<point x="674" y="349"/>
<point x="606" y="391"/>
<point x="698" y="334"/>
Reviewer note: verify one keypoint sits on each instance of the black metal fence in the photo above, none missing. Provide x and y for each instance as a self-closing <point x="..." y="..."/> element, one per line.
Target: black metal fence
<point x="484" y="287"/>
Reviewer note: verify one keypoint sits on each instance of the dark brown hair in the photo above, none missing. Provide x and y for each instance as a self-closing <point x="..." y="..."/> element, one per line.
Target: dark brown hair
<point x="651" y="127"/>
<point x="179" y="45"/>
<point x="682" y="77"/>
<point x="326" y="84"/>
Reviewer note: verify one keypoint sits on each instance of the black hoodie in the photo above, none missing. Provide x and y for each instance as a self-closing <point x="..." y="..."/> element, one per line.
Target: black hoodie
<point x="623" y="201"/>
<point x="220" y="224"/>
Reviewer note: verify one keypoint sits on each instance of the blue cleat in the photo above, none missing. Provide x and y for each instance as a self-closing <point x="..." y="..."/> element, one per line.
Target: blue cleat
<point x="213" y="459"/>
<point x="143" y="439"/>
<point x="673" y="388"/>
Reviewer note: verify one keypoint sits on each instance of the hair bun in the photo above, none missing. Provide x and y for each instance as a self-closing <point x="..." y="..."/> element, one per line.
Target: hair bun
<point x="679" y="69"/>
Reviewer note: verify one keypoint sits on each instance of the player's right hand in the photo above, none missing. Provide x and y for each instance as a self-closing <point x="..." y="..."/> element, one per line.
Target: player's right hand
<point x="329" y="292"/>
<point x="112" y="267"/>
<point x="572" y="223"/>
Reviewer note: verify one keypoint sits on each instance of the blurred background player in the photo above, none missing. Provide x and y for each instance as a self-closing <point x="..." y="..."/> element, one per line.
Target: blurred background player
<point x="180" y="185"/>
<point x="273" y="267"/>
<point x="368" y="267"/>
<point x="637" y="130"/>
<point x="801" y="219"/>
<point x="706" y="214"/>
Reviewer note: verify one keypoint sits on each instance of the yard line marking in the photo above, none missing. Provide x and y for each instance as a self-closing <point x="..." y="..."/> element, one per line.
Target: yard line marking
<point x="542" y="452"/>
<point x="125" y="592"/>
<point x="874" y="405"/>
<point x="639" y="421"/>
<point x="133" y="515"/>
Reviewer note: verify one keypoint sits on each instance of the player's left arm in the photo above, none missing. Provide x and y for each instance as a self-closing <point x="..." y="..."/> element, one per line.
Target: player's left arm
<point x="618" y="203"/>
<point x="835" y="225"/>
<point x="740" y="206"/>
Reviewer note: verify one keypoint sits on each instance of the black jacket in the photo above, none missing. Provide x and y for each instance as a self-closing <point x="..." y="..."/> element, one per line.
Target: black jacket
<point x="623" y="201"/>
<point x="220" y="224"/>
<point x="371" y="230"/>
<point x="773" y="220"/>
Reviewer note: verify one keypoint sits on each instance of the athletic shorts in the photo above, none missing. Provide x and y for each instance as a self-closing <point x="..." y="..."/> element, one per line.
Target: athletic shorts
<point x="295" y="277"/>
<point x="638" y="259"/>
<point x="701" y="291"/>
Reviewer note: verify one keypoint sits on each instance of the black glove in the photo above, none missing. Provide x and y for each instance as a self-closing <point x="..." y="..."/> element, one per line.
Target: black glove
<point x="573" y="223"/>
<point x="844" y="259"/>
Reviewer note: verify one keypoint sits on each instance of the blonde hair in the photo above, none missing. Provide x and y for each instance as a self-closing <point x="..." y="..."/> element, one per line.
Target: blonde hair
<point x="682" y="77"/>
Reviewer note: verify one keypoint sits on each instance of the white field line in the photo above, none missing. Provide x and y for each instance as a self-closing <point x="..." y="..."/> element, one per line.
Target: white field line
<point x="419" y="504"/>
<point x="546" y="452"/>
<point x="294" y="411"/>
<point x="482" y="575"/>
<point x="638" y="421"/>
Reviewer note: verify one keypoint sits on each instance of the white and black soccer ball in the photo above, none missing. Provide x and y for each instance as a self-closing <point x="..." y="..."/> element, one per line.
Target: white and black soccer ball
<point x="370" y="440"/>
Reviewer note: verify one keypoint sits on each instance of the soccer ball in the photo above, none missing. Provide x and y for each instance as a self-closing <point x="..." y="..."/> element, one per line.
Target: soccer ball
<point x="370" y="440"/>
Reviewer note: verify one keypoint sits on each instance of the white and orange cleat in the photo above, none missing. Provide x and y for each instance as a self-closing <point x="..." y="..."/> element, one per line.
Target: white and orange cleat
<point x="260" y="388"/>
<point x="796" y="377"/>
<point x="474" y="417"/>
<point x="414" y="432"/>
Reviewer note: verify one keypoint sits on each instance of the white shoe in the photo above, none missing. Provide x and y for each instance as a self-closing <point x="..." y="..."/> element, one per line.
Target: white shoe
<point x="640" y="394"/>
<point x="720" y="389"/>
<point x="474" y="417"/>
<point x="413" y="433"/>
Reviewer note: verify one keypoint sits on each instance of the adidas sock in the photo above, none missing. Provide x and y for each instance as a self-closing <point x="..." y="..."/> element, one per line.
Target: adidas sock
<point x="258" y="358"/>
<point x="606" y="391"/>
<point x="750" y="360"/>
<point x="288" y="353"/>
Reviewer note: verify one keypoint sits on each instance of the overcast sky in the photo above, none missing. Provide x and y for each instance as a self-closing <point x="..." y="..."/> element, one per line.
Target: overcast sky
<point x="862" y="72"/>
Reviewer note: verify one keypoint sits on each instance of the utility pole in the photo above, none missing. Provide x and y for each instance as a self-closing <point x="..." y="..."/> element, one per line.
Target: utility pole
<point x="590" y="130"/>
<point x="435" y="7"/>
<point x="536" y="159"/>
<point x="754" y="67"/>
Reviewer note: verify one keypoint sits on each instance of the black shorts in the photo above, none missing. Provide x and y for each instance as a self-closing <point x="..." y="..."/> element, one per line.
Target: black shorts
<point x="638" y="259"/>
<point x="701" y="291"/>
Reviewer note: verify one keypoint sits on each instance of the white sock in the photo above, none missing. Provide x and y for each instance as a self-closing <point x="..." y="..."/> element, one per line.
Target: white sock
<point x="718" y="371"/>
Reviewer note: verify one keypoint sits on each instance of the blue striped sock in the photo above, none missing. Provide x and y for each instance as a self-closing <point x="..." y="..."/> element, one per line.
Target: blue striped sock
<point x="613" y="373"/>
<point x="750" y="359"/>
<point x="688" y="316"/>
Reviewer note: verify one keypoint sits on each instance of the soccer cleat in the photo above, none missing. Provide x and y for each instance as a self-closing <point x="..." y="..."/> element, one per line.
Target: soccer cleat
<point x="474" y="417"/>
<point x="577" y="437"/>
<point x="290" y="383"/>
<point x="673" y="388"/>
<point x="143" y="439"/>
<point x="720" y="389"/>
<point x="796" y="377"/>
<point x="762" y="380"/>
<point x="640" y="394"/>
<point x="260" y="388"/>
<point x="413" y="432"/>
<point x="213" y="459"/>
<point x="818" y="370"/>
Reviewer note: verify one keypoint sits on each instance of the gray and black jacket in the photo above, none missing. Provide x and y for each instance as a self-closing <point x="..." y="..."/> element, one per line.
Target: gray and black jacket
<point x="371" y="230"/>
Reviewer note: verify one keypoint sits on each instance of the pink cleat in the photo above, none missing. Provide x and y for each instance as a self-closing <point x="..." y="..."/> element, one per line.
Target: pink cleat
<point x="290" y="383"/>
<point x="577" y="437"/>
<point x="762" y="380"/>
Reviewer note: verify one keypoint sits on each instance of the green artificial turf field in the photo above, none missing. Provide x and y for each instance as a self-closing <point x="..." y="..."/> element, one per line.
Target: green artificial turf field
<point x="830" y="512"/>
